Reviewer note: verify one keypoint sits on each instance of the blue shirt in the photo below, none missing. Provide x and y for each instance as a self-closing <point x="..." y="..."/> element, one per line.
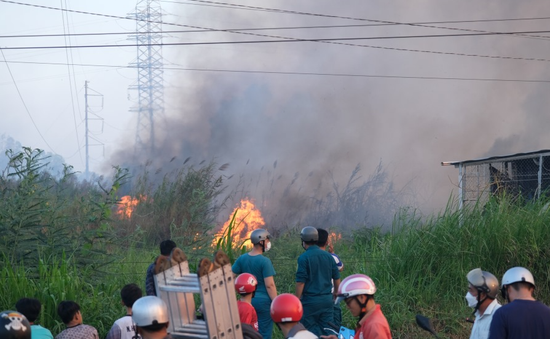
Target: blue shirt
<point x="521" y="319"/>
<point x="316" y="269"/>
<point x="257" y="265"/>
<point x="150" y="288"/>
<point x="39" y="332"/>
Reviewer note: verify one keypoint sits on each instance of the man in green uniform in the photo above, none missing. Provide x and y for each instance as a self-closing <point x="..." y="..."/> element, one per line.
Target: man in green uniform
<point x="316" y="272"/>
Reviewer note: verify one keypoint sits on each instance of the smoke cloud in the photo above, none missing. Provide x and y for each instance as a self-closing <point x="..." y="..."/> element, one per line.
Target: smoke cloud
<point x="309" y="132"/>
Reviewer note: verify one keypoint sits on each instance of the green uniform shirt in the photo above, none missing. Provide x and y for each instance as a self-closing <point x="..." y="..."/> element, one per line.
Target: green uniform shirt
<point x="257" y="265"/>
<point x="316" y="269"/>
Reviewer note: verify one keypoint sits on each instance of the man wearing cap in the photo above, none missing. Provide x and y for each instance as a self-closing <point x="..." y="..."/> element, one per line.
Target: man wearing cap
<point x="482" y="291"/>
<point x="150" y="315"/>
<point x="316" y="272"/>
<point x="523" y="317"/>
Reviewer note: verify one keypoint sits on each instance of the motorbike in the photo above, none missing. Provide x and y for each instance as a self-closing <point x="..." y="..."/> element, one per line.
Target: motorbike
<point x="426" y="324"/>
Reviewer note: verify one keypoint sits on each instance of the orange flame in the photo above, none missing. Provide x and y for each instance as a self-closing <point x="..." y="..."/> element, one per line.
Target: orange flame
<point x="127" y="205"/>
<point x="333" y="236"/>
<point x="248" y="218"/>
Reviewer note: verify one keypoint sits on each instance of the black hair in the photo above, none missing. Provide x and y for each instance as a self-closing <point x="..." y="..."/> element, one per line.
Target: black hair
<point x="155" y="327"/>
<point x="30" y="308"/>
<point x="67" y="310"/>
<point x="517" y="285"/>
<point x="166" y="247"/>
<point x="310" y="243"/>
<point x="130" y="293"/>
<point x="323" y="237"/>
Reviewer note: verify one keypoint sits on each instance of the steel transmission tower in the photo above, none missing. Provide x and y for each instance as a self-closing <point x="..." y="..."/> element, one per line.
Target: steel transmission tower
<point x="149" y="64"/>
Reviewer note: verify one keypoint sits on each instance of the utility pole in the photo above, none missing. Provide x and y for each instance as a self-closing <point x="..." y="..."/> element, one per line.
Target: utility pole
<point x="149" y="64"/>
<point x="91" y="115"/>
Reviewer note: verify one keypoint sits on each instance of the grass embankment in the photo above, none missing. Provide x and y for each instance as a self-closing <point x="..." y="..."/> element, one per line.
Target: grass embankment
<point x="419" y="267"/>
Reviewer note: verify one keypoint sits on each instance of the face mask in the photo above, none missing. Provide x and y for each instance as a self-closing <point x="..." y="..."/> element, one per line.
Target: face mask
<point x="471" y="300"/>
<point x="267" y="246"/>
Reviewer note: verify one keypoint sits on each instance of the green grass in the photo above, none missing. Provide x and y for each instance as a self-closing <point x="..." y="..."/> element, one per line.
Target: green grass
<point x="419" y="267"/>
<point x="60" y="242"/>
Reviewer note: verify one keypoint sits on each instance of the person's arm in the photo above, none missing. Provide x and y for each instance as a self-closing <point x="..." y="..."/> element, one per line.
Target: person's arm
<point x="114" y="333"/>
<point x="270" y="287"/>
<point x="299" y="289"/>
<point x="150" y="281"/>
<point x="336" y="284"/>
<point x="301" y="276"/>
<point x="497" y="329"/>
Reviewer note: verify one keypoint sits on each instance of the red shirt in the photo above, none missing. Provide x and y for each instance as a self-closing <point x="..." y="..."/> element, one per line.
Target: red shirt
<point x="373" y="326"/>
<point x="247" y="313"/>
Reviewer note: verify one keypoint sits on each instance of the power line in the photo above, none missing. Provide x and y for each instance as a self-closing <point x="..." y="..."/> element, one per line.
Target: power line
<point x="264" y="9"/>
<point x="244" y="29"/>
<point x="23" y="101"/>
<point x="387" y="22"/>
<point x="334" y="41"/>
<point x="284" y="39"/>
<point x="69" y="63"/>
<point x="295" y="73"/>
<point x="277" y="28"/>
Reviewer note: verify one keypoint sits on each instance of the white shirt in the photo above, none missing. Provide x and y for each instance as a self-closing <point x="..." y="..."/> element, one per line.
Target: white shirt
<point x="123" y="328"/>
<point x="483" y="322"/>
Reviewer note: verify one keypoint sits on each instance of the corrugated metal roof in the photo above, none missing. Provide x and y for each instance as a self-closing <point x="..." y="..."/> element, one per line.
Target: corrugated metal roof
<point x="516" y="156"/>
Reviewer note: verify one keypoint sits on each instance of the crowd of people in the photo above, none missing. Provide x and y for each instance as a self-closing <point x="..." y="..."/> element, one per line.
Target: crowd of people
<point x="313" y="311"/>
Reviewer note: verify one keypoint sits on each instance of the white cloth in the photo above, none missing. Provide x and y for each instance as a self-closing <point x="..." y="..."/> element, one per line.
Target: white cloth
<point x="483" y="322"/>
<point x="123" y="328"/>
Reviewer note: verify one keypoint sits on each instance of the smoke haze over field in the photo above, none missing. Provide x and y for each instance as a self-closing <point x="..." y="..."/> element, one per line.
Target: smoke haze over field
<point x="409" y="110"/>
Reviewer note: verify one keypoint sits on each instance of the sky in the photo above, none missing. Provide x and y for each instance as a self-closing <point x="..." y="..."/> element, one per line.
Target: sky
<point x="303" y="109"/>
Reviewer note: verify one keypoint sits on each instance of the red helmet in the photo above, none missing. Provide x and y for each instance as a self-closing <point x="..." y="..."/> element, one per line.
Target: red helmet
<point x="245" y="283"/>
<point x="355" y="284"/>
<point x="285" y="308"/>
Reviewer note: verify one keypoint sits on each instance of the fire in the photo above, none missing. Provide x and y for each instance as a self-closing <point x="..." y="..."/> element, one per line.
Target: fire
<point x="248" y="218"/>
<point x="333" y="236"/>
<point x="127" y="205"/>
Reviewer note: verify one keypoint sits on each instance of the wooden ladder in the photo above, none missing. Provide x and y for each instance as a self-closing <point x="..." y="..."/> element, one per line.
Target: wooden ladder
<point x="177" y="286"/>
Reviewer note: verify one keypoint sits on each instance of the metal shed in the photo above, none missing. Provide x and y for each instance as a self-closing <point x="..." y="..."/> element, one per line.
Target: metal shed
<point x="524" y="175"/>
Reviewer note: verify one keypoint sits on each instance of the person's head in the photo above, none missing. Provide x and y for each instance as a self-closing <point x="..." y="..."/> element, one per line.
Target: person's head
<point x="245" y="284"/>
<point x="322" y="239"/>
<point x="14" y="325"/>
<point x="129" y="294"/>
<point x="516" y="282"/>
<point x="69" y="311"/>
<point x="29" y="307"/>
<point x="357" y="290"/>
<point x="166" y="247"/>
<point x="482" y="287"/>
<point x="286" y="308"/>
<point x="309" y="236"/>
<point x="261" y="238"/>
<point x="150" y="315"/>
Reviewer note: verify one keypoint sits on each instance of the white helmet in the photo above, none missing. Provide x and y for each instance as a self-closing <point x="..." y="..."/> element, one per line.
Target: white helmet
<point x="353" y="285"/>
<point x="150" y="310"/>
<point x="517" y="274"/>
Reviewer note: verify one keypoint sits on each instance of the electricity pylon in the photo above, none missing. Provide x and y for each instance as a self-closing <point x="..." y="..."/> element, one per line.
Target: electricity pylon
<point x="149" y="65"/>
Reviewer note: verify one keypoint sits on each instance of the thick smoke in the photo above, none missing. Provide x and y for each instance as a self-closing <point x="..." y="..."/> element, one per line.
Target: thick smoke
<point x="297" y="137"/>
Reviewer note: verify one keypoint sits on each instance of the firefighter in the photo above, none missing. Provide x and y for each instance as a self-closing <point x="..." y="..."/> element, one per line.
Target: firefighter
<point x="315" y="275"/>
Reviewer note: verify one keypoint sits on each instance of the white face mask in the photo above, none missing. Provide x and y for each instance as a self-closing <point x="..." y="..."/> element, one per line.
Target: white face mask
<point x="471" y="300"/>
<point x="267" y="246"/>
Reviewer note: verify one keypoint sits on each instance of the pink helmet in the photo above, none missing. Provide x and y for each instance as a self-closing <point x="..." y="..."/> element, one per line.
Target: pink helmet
<point x="355" y="284"/>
